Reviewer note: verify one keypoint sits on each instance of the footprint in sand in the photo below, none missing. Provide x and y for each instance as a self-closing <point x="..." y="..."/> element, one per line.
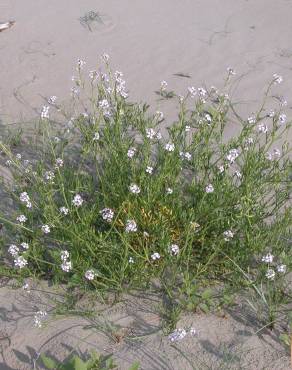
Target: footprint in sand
<point x="96" y="21"/>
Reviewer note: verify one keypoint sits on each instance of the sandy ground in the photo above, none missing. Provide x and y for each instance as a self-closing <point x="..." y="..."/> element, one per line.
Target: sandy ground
<point x="131" y="330"/>
<point x="149" y="41"/>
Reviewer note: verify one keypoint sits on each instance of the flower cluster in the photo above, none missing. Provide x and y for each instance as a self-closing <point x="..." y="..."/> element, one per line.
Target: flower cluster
<point x="77" y="200"/>
<point x="66" y="265"/>
<point x="24" y="198"/>
<point x="45" y="112"/>
<point x="173" y="249"/>
<point x="90" y="275"/>
<point x="270" y="272"/>
<point x="21" y="219"/>
<point x="131" y="226"/>
<point x="228" y="235"/>
<point x="152" y="134"/>
<point x="107" y="214"/>
<point x="180" y="334"/>
<point x="39" y="318"/>
<point x="105" y="107"/>
<point x="134" y="188"/>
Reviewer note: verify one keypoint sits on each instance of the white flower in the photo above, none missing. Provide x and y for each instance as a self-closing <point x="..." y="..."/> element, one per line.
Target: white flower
<point x="185" y="155"/>
<point x="131" y="260"/>
<point x="251" y="120"/>
<point x="248" y="141"/>
<point x="20" y="262"/>
<point x="24" y="197"/>
<point x="277" y="78"/>
<point x="187" y="128"/>
<point x="282" y="118"/>
<point x="177" y="335"/>
<point x="18" y="156"/>
<point x="49" y="175"/>
<point x="80" y="64"/>
<point x="159" y="116"/>
<point x="169" y="147"/>
<point x="276" y="153"/>
<point x="169" y="191"/>
<point x="90" y="275"/>
<point x="131" y="226"/>
<point x="134" y="189"/>
<point x="192" y="91"/>
<point x="232" y="155"/>
<point x="163" y="85"/>
<point x="38" y="318"/>
<point x="269" y="156"/>
<point x="202" y="92"/>
<point x="228" y="234"/>
<point x="105" y="107"/>
<point x="208" y="118"/>
<point x="45" y="112"/>
<point x="270" y="274"/>
<point x="46" y="229"/>
<point x="13" y="250"/>
<point x="282" y="268"/>
<point x="131" y="152"/>
<point x="231" y="71"/>
<point x="21" y="219"/>
<point x="262" y="128"/>
<point x="24" y="245"/>
<point x="25" y="287"/>
<point x="181" y="98"/>
<point x="96" y="136"/>
<point x="188" y="156"/>
<point x="158" y="135"/>
<point x="64" y="210"/>
<point x="59" y="163"/>
<point x="155" y="256"/>
<point x="52" y="99"/>
<point x="118" y="75"/>
<point x="107" y="214"/>
<point x="209" y="188"/>
<point x="66" y="266"/>
<point x="150" y="133"/>
<point x="105" y="57"/>
<point x="173" y="249"/>
<point x="77" y="200"/>
<point x="238" y="174"/>
<point x="193" y="331"/>
<point x="8" y="163"/>
<point x="268" y="258"/>
<point x="283" y="101"/>
<point x="271" y="114"/>
<point x="65" y="255"/>
<point x="149" y="169"/>
<point x="74" y="91"/>
<point x="57" y="139"/>
<point x="221" y="168"/>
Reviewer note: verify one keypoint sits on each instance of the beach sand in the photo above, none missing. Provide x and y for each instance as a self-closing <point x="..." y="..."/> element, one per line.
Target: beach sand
<point x="149" y="41"/>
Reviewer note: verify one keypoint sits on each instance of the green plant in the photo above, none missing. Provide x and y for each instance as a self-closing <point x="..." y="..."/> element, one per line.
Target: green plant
<point x="108" y="203"/>
<point x="75" y="362"/>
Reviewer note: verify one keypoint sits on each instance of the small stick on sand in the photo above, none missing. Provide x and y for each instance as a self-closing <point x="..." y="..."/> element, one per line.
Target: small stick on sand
<point x="5" y="26"/>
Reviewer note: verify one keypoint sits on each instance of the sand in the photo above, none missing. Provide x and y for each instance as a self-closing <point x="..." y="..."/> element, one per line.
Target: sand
<point x="131" y="330"/>
<point x="149" y="41"/>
